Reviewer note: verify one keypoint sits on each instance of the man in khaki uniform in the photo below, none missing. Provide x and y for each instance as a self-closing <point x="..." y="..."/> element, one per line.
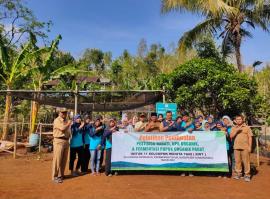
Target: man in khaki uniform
<point x="242" y="136"/>
<point x="61" y="135"/>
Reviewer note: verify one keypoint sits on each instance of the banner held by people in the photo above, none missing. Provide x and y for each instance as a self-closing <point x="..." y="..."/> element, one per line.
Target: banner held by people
<point x="196" y="151"/>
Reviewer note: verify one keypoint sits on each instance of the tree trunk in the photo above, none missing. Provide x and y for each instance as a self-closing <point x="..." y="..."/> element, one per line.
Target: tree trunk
<point x="237" y="46"/>
<point x="238" y="59"/>
<point x="6" y="117"/>
<point x="34" y="112"/>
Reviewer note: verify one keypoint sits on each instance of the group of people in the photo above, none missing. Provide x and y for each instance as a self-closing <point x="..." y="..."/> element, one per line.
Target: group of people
<point x="88" y="139"/>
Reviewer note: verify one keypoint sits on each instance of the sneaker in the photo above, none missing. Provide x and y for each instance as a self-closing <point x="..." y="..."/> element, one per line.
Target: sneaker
<point x="57" y="180"/>
<point x="116" y="173"/>
<point x="183" y="174"/>
<point x="93" y="174"/>
<point x="190" y="175"/>
<point x="110" y="175"/>
<point x="60" y="180"/>
<point x="236" y="177"/>
<point x="247" y="178"/>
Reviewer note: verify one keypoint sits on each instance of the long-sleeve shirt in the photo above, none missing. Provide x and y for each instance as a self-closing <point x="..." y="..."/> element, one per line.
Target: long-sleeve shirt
<point x="191" y="126"/>
<point x="95" y="137"/>
<point x="59" y="130"/>
<point x="179" y="127"/>
<point x="76" y="139"/>
<point x="241" y="136"/>
<point x="86" y="133"/>
<point x="106" y="141"/>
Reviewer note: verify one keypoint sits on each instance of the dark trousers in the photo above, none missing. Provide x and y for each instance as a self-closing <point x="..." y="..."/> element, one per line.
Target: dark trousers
<point x="108" y="161"/>
<point x="84" y="163"/>
<point x="230" y="161"/>
<point x="86" y="153"/>
<point x="101" y="158"/>
<point x="73" y="152"/>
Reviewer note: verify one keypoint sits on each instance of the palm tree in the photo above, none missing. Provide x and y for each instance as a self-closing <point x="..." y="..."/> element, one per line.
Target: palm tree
<point x="254" y="65"/>
<point x="231" y="18"/>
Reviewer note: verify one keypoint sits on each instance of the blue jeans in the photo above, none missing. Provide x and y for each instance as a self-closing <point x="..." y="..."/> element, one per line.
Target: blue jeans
<point x="95" y="160"/>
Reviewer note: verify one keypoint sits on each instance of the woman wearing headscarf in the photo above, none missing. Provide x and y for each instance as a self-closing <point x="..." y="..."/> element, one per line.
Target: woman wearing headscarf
<point x="96" y="134"/>
<point x="206" y="127"/>
<point x="107" y="144"/>
<point x="86" y="142"/>
<point x="76" y="145"/>
<point x="178" y="124"/>
<point x="198" y="125"/>
<point x="210" y="119"/>
<point x="228" y="124"/>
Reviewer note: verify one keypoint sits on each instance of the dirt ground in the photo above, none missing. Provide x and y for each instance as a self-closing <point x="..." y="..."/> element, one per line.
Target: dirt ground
<point x="30" y="178"/>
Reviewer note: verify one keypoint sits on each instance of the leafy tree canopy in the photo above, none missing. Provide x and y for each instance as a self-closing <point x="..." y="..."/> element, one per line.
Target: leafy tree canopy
<point x="212" y="87"/>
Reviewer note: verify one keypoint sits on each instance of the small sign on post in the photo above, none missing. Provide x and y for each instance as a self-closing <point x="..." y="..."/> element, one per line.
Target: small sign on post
<point x="162" y="108"/>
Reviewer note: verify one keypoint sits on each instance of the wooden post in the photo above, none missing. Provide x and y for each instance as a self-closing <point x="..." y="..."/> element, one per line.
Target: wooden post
<point x="22" y="126"/>
<point x="40" y="134"/>
<point x="16" y="128"/>
<point x="258" y="151"/>
<point x="76" y="101"/>
<point x="163" y="96"/>
<point x="15" y="142"/>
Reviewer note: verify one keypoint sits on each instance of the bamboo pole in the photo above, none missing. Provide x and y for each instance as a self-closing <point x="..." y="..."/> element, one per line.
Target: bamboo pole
<point x="40" y="134"/>
<point x="15" y="143"/>
<point x="22" y="127"/>
<point x="16" y="128"/>
<point x="76" y="100"/>
<point x="258" y="151"/>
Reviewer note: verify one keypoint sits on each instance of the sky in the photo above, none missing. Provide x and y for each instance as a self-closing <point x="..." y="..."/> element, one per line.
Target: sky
<point x="115" y="25"/>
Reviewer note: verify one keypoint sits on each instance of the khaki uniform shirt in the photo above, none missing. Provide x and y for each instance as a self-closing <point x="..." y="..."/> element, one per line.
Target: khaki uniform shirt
<point x="152" y="127"/>
<point x="58" y="132"/>
<point x="139" y="126"/>
<point x="241" y="140"/>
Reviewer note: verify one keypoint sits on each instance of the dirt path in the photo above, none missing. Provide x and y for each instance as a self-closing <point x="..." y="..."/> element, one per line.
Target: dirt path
<point x="31" y="179"/>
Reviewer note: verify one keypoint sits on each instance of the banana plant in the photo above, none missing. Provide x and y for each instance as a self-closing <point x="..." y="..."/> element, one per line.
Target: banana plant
<point x="43" y="70"/>
<point x="12" y="65"/>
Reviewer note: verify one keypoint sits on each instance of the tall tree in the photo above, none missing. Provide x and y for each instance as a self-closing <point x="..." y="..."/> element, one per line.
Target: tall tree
<point x="96" y="59"/>
<point x="229" y="17"/>
<point x="212" y="87"/>
<point x="16" y="20"/>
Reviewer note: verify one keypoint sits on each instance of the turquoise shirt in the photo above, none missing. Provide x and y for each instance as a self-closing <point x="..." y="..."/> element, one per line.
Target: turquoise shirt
<point x="77" y="139"/>
<point x="95" y="138"/>
<point x="191" y="126"/>
<point x="86" y="138"/>
<point x="228" y="141"/>
<point x="108" y="144"/>
<point x="86" y="134"/>
<point x="94" y="142"/>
